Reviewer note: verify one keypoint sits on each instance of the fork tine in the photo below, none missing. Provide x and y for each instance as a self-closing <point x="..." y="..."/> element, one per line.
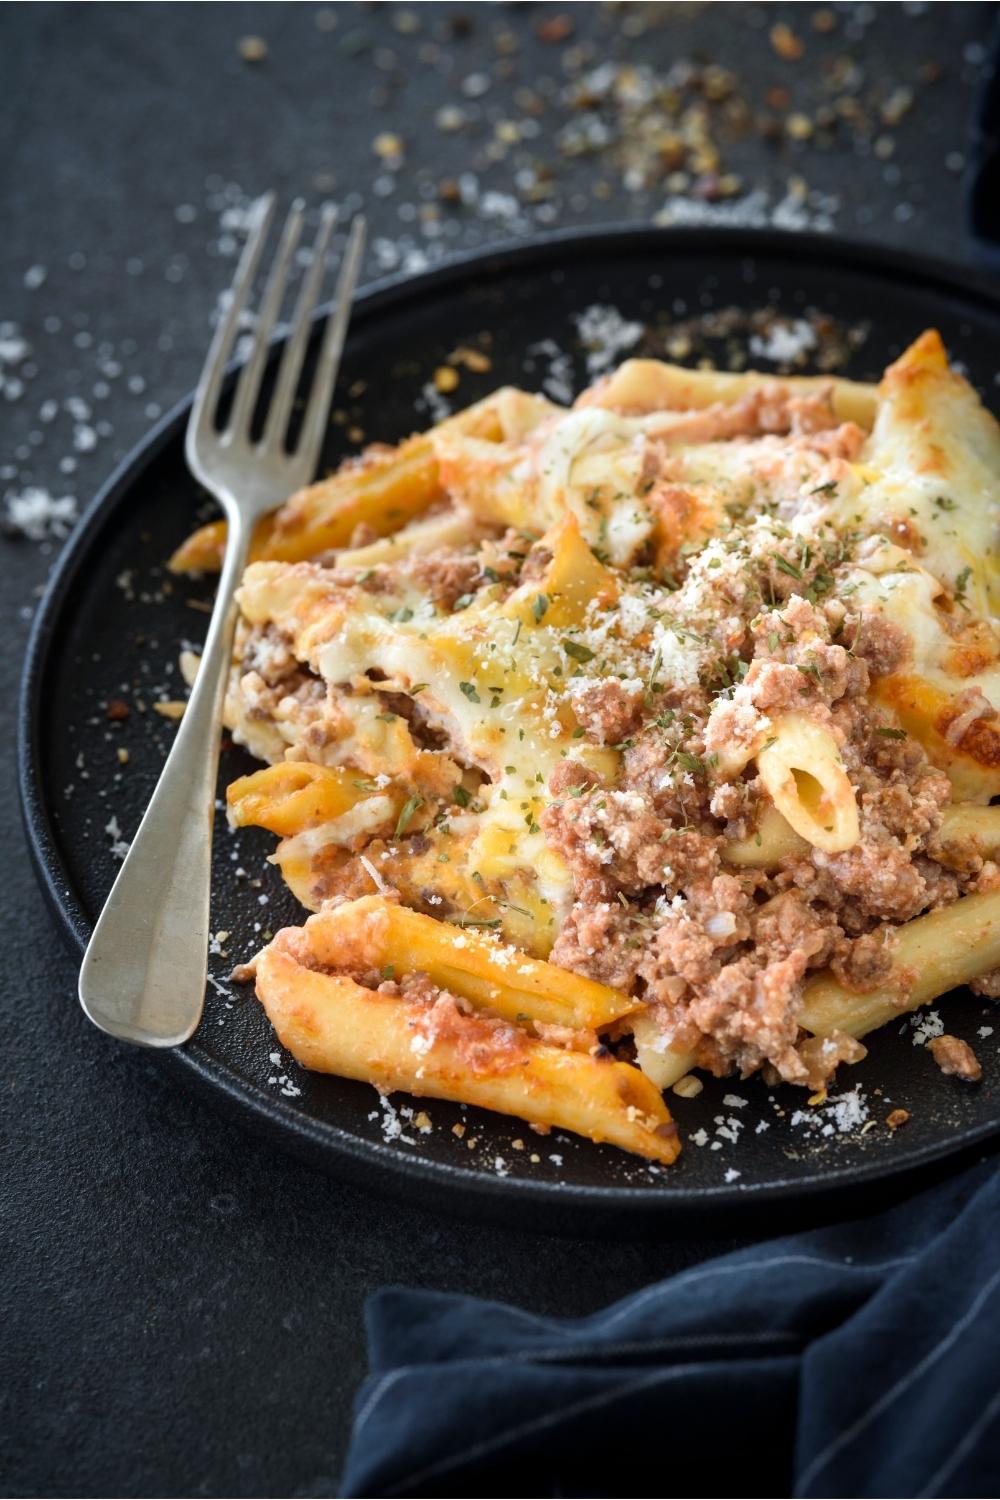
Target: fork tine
<point x="248" y="388"/>
<point x="207" y="395"/>
<point x="318" y="410"/>
<point x="291" y="363"/>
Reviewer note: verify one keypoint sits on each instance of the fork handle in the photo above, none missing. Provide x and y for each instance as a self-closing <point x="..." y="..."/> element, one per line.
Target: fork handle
<point x="144" y="974"/>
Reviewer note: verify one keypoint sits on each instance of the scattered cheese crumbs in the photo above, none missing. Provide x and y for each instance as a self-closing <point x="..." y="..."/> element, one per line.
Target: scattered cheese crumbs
<point x="699" y="1137"/>
<point x="606" y="335"/>
<point x="842" y="1114"/>
<point x="500" y="1167"/>
<point x="732" y="1175"/>
<point x="392" y="1126"/>
<point x="734" y="1101"/>
<point x="36" y="514"/>
<point x="170" y="708"/>
<point x="437" y="406"/>
<point x="558" y="381"/>
<point x="380" y="884"/>
<point x="458" y="1130"/>
<point x="728" y="1128"/>
<point x="784" y="342"/>
<point x="985" y="1031"/>
<point x="926" y="1027"/>
<point x="122" y="755"/>
<point x="119" y="846"/>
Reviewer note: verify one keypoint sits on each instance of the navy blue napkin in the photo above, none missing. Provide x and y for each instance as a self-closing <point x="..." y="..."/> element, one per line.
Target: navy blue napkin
<point x="861" y="1359"/>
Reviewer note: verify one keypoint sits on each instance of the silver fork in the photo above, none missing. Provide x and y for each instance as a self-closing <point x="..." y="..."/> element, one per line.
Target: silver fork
<point x="144" y="974"/>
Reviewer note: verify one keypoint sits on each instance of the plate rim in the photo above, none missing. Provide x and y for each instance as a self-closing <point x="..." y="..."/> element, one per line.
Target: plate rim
<point x="331" y="1145"/>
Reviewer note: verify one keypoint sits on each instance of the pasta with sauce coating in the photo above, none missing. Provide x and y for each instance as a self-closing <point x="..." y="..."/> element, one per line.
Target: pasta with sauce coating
<point x="643" y="736"/>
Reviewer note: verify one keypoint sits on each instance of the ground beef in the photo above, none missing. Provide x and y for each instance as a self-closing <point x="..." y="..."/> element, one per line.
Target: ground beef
<point x="571" y="777"/>
<point x="608" y="710"/>
<point x="956" y="1058"/>
<point x="866" y="962"/>
<point x="601" y="941"/>
<point x="614" y="840"/>
<point x="883" y="645"/>
<point x="446" y="575"/>
<point x="722" y="955"/>
<point x="787" y="924"/>
<point x="750" y="1011"/>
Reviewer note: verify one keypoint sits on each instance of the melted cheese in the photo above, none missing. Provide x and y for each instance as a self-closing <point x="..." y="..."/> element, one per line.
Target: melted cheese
<point x="500" y="680"/>
<point x="952" y="674"/>
<point x="932" y="465"/>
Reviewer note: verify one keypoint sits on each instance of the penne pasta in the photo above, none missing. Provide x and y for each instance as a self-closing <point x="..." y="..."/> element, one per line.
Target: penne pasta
<point x="804" y="775"/>
<point x="646" y="385"/>
<point x="384" y="492"/>
<point x="773" y="840"/>
<point x="333" y="1025"/>
<point x="965" y="827"/>
<point x="931" y="955"/>
<point x="967" y="824"/>
<point x="523" y="703"/>
<point x="448" y="528"/>
<point x="373" y="933"/>
<point x="662" y="1064"/>
<point x="294" y="795"/>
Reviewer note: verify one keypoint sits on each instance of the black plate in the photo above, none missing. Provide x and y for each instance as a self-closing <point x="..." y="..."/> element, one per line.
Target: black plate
<point x="112" y="622"/>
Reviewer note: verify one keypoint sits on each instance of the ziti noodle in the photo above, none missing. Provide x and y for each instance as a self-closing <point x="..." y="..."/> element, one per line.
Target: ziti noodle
<point x="607" y="743"/>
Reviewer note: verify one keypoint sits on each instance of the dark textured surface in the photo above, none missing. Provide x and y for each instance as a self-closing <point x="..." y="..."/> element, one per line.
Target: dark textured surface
<point x="181" y="1305"/>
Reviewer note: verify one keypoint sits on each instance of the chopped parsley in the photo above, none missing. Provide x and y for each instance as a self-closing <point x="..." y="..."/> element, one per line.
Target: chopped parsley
<point x="690" y="763"/>
<point x="469" y="689"/>
<point x="577" y="651"/>
<point x="961" y="583"/>
<point x="406" y="812"/>
<point x="653" y="672"/>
